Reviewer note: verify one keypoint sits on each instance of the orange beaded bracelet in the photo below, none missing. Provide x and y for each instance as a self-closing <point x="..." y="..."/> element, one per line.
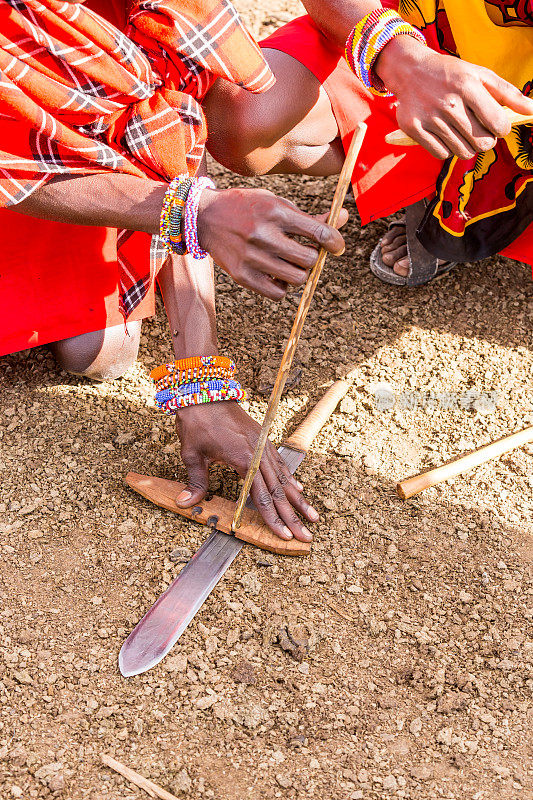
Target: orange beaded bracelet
<point x="186" y="367"/>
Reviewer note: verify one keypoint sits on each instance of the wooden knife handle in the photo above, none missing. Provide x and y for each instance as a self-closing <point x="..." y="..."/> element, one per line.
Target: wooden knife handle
<point x="401" y="139"/>
<point x="304" y="434"/>
<point x="417" y="483"/>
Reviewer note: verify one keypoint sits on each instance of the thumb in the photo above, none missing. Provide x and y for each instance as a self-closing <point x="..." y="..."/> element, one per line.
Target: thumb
<point x="197" y="485"/>
<point x="343" y="218"/>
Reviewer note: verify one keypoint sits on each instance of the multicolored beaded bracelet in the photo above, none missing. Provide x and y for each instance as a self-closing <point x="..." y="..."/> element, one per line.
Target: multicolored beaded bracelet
<point x="367" y="40"/>
<point x="199" y="398"/>
<point x="175" y="235"/>
<point x="175" y="189"/>
<point x="186" y="366"/>
<point x="190" y="217"/>
<point x="204" y="374"/>
<point x="197" y="387"/>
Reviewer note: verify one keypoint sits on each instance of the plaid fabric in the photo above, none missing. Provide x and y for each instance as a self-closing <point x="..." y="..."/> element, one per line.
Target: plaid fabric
<point x="78" y="96"/>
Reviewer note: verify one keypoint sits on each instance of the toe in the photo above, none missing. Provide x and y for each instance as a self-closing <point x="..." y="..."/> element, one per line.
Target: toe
<point x="392" y="256"/>
<point x="401" y="267"/>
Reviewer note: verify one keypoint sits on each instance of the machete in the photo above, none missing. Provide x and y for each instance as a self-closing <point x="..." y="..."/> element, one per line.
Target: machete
<point x="161" y="627"/>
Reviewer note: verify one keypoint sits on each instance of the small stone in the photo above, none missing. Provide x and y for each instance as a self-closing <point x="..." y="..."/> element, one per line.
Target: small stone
<point x="128" y="437"/>
<point x="304" y="668"/>
<point x="265" y="561"/>
<point x="304" y="580"/>
<point x="176" y="663"/>
<point x="416" y="726"/>
<point x="390" y="783"/>
<point x="203" y="703"/>
<point x="183" y="783"/>
<point x="284" y="781"/>
<point x="422" y="773"/>
<point x="180" y="555"/>
<point x="56" y="783"/>
<point x="243" y="672"/>
<point x="16" y="791"/>
<point x="444" y="736"/>
<point x="314" y="763"/>
<point x="251" y="583"/>
<point x="465" y="597"/>
<point x="23" y="676"/>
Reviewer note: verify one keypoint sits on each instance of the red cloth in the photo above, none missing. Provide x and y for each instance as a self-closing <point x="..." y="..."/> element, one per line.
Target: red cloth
<point x="386" y="179"/>
<point x="63" y="113"/>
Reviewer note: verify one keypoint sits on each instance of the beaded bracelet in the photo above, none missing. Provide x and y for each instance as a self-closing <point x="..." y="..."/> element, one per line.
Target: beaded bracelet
<point x="197" y="387"/>
<point x="176" y="193"/>
<point x="199" y="398"/>
<point x="186" y="367"/>
<point x="175" y="236"/>
<point x="367" y="40"/>
<point x="206" y="374"/>
<point x="190" y="216"/>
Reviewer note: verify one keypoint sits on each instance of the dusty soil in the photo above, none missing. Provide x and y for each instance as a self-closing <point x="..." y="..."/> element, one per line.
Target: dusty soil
<point x="413" y="619"/>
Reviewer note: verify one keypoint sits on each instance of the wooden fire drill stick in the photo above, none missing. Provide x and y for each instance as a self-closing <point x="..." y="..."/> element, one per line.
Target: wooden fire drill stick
<point x="417" y="483"/>
<point x="301" y="314"/>
<point x="401" y="139"/>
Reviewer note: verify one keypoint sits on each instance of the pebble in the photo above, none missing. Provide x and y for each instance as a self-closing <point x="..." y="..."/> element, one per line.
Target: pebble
<point x="183" y="782"/>
<point x="180" y="555"/>
<point x="416" y="726"/>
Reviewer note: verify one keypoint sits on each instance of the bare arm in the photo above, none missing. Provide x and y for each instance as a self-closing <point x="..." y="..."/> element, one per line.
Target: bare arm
<point x="105" y="200"/>
<point x="249" y="232"/>
<point x="336" y="18"/>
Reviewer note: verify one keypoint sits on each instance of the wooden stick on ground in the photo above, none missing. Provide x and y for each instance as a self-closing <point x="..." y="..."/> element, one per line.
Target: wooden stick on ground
<point x="417" y="483"/>
<point x="137" y="780"/>
<point x="301" y="314"/>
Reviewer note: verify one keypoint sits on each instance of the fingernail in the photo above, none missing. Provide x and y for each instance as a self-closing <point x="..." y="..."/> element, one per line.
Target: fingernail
<point x="312" y="513"/>
<point x="184" y="497"/>
<point x="299" y="486"/>
<point x="307" y="533"/>
<point x="287" y="532"/>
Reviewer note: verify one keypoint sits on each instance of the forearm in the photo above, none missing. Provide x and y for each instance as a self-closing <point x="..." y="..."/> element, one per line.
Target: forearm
<point x="188" y="290"/>
<point x="105" y="200"/>
<point x="336" y="18"/>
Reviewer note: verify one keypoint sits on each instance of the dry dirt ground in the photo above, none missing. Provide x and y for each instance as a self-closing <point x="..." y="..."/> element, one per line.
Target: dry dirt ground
<point x="414" y="619"/>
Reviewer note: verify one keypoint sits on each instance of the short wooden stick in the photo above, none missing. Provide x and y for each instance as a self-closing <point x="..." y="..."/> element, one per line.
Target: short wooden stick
<point x="417" y="483"/>
<point x="138" y="780"/>
<point x="400" y="139"/>
<point x="301" y="314"/>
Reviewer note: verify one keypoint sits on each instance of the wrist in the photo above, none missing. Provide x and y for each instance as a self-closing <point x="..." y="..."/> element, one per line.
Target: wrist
<point x="398" y="61"/>
<point x="207" y="200"/>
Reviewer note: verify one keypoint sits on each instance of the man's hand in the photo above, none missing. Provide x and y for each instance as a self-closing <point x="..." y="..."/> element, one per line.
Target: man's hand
<point x="248" y="233"/>
<point x="447" y="105"/>
<point x="224" y="433"/>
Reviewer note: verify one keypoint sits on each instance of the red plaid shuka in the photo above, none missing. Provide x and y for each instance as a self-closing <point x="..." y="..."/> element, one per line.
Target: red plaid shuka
<point x="79" y="96"/>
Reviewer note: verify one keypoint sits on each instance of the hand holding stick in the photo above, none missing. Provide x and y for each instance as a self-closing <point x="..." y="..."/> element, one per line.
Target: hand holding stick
<point x="301" y="314"/>
<point x="401" y="139"/>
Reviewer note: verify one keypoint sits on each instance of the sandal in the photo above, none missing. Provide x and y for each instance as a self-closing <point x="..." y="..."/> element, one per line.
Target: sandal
<point x="423" y="266"/>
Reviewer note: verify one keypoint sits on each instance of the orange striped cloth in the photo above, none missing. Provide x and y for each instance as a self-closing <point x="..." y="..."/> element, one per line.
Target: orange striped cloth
<point x="77" y="95"/>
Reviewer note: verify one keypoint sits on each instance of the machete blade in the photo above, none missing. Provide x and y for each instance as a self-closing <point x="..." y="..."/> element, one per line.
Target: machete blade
<point x="161" y="627"/>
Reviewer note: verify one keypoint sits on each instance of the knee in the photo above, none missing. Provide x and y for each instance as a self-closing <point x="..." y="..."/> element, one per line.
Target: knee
<point x="241" y="137"/>
<point x="101" y="355"/>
